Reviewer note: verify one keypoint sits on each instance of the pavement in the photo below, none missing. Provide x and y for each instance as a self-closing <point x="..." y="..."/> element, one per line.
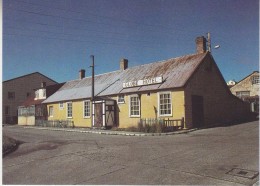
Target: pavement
<point x="215" y="156"/>
<point x="110" y="132"/>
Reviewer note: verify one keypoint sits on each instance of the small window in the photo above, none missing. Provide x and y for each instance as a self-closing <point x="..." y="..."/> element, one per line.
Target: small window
<point x="51" y="111"/>
<point x="255" y="80"/>
<point x="37" y="94"/>
<point x="69" y="110"/>
<point x="28" y="94"/>
<point x="61" y="105"/>
<point x="86" y="107"/>
<point x="134" y="106"/>
<point x="7" y="110"/>
<point x="11" y="95"/>
<point x="243" y="94"/>
<point x="121" y="99"/>
<point x="44" y="93"/>
<point x="165" y="104"/>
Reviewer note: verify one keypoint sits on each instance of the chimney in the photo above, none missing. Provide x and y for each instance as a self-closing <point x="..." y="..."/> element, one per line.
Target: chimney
<point x="201" y="44"/>
<point x="123" y="64"/>
<point x="81" y="74"/>
<point x="43" y="84"/>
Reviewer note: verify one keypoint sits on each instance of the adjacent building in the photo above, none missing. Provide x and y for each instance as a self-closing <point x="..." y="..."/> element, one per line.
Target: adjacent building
<point x="248" y="90"/>
<point x="189" y="87"/>
<point x="17" y="90"/>
<point x="32" y="111"/>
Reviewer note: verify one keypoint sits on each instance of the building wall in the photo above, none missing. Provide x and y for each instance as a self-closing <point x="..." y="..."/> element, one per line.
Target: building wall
<point x="77" y="113"/>
<point x="148" y="108"/>
<point x="246" y="85"/>
<point x="220" y="105"/>
<point x="22" y="86"/>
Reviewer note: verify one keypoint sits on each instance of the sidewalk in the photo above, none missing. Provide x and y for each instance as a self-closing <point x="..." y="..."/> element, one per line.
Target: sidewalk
<point x="108" y="132"/>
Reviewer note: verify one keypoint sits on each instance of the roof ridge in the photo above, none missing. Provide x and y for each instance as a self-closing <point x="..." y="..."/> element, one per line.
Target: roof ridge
<point x="29" y="75"/>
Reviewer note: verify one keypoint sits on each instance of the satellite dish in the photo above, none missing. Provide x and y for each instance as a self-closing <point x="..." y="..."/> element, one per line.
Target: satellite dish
<point x="217" y="46"/>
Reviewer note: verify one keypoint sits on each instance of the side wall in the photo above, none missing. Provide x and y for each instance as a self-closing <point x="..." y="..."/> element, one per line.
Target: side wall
<point x="220" y="106"/>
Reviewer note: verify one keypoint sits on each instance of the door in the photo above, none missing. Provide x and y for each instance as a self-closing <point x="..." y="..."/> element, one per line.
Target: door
<point x="98" y="122"/>
<point x="197" y="111"/>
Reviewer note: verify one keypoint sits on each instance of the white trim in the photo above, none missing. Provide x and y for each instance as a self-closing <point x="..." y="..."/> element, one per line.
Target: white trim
<point x="51" y="116"/>
<point x="84" y="109"/>
<point x="158" y="99"/>
<point x="104" y="113"/>
<point x="134" y="116"/>
<point x="71" y="109"/>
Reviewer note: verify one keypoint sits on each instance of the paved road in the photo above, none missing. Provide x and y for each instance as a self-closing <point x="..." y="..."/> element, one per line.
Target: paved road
<point x="202" y="157"/>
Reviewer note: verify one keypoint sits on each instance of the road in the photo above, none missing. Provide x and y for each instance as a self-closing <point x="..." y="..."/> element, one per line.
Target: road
<point x="204" y="157"/>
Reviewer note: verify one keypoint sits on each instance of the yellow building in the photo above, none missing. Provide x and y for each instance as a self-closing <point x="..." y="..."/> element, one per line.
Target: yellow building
<point x="189" y="89"/>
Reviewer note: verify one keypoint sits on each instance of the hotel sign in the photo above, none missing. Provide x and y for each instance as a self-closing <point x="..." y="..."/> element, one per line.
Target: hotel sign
<point x="142" y="82"/>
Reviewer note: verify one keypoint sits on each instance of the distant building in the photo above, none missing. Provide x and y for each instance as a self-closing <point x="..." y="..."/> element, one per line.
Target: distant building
<point x="16" y="90"/>
<point x="189" y="88"/>
<point x="32" y="110"/>
<point x="248" y="90"/>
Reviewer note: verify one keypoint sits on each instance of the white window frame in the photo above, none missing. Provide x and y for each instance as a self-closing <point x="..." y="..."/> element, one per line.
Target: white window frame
<point x="51" y="111"/>
<point x="61" y="105"/>
<point x="120" y="100"/>
<point x="84" y="109"/>
<point x="139" y="110"/>
<point x="159" y="108"/>
<point x="68" y="109"/>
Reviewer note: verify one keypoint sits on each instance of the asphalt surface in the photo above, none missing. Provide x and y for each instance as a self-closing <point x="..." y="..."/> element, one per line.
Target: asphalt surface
<point x="215" y="156"/>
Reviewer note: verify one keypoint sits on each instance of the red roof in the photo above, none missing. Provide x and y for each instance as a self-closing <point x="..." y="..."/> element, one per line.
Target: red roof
<point x="30" y="101"/>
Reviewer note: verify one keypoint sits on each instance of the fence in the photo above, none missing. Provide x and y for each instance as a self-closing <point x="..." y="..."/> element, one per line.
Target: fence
<point x="55" y="123"/>
<point x="167" y="124"/>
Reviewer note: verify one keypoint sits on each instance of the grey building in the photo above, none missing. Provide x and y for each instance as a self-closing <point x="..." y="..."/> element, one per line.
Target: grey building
<point x="17" y="90"/>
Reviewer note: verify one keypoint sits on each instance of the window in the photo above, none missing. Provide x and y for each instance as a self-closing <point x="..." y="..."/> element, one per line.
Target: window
<point x="86" y="106"/>
<point x="69" y="110"/>
<point x="44" y="93"/>
<point x="61" y="106"/>
<point x="165" y="104"/>
<point x="11" y="95"/>
<point x="51" y="111"/>
<point x="121" y="99"/>
<point x="255" y="80"/>
<point x="134" y="106"/>
<point x="28" y="94"/>
<point x="242" y="93"/>
<point x="37" y="94"/>
<point x="7" y="110"/>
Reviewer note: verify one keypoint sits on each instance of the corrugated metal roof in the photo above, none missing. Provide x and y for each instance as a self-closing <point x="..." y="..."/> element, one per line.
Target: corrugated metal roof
<point x="175" y="73"/>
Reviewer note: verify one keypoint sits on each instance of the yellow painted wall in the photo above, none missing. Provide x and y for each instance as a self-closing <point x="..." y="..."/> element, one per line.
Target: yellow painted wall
<point x="77" y="113"/>
<point x="149" y="103"/>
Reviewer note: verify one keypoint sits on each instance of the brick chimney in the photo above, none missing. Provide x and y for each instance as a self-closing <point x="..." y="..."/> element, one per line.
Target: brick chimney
<point x="81" y="74"/>
<point x="201" y="44"/>
<point x="123" y="64"/>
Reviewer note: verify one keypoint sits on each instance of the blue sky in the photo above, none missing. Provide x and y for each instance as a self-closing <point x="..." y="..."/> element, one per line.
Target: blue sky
<point x="57" y="37"/>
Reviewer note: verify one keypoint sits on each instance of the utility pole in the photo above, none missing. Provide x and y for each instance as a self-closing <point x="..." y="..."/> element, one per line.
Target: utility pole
<point x="93" y="76"/>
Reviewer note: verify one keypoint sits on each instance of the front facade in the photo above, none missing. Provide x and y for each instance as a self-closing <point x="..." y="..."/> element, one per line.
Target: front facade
<point x="248" y="90"/>
<point x="16" y="90"/>
<point x="188" y="88"/>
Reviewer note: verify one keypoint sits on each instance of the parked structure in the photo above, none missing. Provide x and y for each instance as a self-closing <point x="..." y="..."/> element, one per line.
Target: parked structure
<point x="188" y="88"/>
<point x="16" y="90"/>
<point x="32" y="110"/>
<point x="248" y="90"/>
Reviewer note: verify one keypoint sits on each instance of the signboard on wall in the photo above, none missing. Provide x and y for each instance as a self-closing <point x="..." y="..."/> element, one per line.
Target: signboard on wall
<point x="143" y="82"/>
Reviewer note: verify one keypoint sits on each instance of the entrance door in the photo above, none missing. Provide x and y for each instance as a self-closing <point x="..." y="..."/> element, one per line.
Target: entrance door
<point x="98" y="115"/>
<point x="197" y="111"/>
